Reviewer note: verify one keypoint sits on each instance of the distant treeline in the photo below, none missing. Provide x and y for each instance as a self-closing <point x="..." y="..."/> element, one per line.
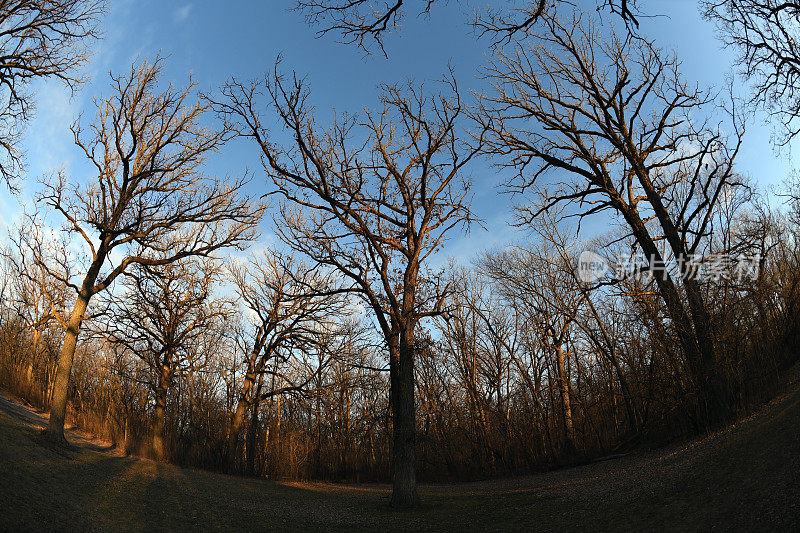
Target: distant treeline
<point x="526" y="369"/>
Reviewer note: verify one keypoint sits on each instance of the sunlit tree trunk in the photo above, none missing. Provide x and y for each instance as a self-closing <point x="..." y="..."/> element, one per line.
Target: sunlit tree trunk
<point x="237" y="420"/>
<point x="58" y="407"/>
<point x="125" y="437"/>
<point x="566" y="405"/>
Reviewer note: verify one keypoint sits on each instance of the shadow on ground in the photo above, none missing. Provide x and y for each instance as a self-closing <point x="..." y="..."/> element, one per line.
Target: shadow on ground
<point x="747" y="476"/>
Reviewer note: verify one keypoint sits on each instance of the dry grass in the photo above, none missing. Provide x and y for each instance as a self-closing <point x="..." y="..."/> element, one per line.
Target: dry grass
<point x="747" y="476"/>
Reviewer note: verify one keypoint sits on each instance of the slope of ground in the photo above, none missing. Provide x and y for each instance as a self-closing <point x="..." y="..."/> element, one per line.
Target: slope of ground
<point x="747" y="476"/>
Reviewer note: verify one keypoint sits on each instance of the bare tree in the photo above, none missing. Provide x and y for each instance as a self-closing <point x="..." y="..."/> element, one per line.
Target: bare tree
<point x="541" y="288"/>
<point x="293" y="307"/>
<point x="366" y="23"/>
<point x="503" y="25"/>
<point x="38" y="39"/>
<point x="149" y="203"/>
<point x="616" y="117"/>
<point x="373" y="199"/>
<point x="40" y="300"/>
<point x="765" y="34"/>
<point x="483" y="339"/>
<point x="162" y="317"/>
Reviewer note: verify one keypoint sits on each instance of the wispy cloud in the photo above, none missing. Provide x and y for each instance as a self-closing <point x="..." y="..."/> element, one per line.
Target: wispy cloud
<point x="49" y="141"/>
<point x="182" y="13"/>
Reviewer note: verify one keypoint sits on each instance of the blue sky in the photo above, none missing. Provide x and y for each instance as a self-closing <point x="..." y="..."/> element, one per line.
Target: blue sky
<point x="215" y="40"/>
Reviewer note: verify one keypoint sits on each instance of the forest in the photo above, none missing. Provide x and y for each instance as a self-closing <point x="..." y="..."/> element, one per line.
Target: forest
<point x="142" y="303"/>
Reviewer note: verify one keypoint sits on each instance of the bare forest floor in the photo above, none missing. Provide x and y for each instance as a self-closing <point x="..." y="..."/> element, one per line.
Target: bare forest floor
<point x="746" y="476"/>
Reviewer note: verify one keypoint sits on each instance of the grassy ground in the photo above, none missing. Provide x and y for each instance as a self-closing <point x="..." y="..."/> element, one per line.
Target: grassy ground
<point x="747" y="476"/>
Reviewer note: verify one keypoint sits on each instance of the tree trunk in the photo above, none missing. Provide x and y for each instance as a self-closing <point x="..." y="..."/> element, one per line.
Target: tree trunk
<point x="712" y="400"/>
<point x="566" y="405"/>
<point x="252" y="439"/>
<point x="401" y="370"/>
<point x="318" y="415"/>
<point x="693" y="332"/>
<point x="237" y="420"/>
<point x="714" y="407"/>
<point x="252" y="430"/>
<point x="125" y="437"/>
<point x="58" y="406"/>
<point x="159" y="419"/>
<point x="37" y="335"/>
<point x="58" y="409"/>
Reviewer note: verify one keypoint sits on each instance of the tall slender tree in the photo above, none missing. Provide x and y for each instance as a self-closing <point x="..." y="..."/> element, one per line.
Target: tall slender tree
<point x="293" y="308"/>
<point x="149" y="202"/>
<point x="162" y="318"/>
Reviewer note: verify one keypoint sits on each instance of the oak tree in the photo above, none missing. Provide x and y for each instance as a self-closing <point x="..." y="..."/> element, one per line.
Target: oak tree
<point x="373" y="198"/>
<point x="149" y="202"/>
<point x="615" y="129"/>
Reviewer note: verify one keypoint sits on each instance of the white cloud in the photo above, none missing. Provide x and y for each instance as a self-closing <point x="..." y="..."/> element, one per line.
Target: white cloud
<point x="182" y="13"/>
